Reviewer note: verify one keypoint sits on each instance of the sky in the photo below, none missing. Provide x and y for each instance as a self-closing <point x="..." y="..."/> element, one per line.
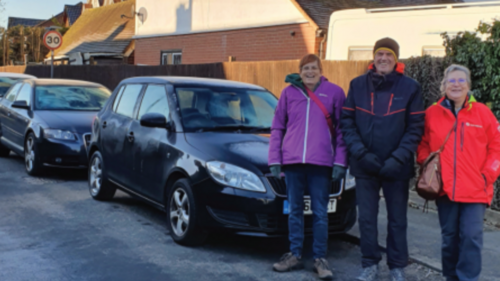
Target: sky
<point x="37" y="9"/>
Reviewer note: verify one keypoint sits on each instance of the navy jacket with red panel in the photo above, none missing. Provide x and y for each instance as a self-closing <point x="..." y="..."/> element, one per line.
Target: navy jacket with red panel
<point x="383" y="115"/>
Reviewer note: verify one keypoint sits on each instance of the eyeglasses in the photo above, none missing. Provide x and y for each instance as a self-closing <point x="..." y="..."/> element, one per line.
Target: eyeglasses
<point x="460" y="81"/>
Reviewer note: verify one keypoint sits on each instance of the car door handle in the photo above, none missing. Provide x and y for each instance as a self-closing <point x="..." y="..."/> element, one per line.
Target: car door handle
<point x="104" y="125"/>
<point x="131" y="137"/>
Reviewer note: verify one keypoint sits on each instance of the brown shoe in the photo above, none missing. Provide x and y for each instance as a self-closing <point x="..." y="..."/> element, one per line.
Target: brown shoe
<point x="323" y="270"/>
<point x="288" y="262"/>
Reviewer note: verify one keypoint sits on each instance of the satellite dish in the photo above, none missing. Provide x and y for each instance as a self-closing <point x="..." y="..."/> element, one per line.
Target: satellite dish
<point x="143" y="14"/>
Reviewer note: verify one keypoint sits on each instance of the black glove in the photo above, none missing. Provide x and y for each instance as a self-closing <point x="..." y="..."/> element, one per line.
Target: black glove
<point x="391" y="168"/>
<point x="338" y="173"/>
<point x="370" y="164"/>
<point x="276" y="171"/>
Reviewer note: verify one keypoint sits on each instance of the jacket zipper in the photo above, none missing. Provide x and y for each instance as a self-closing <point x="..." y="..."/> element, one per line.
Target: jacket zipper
<point x="455" y="161"/>
<point x="462" y="135"/>
<point x="307" y="129"/>
<point x="372" y="104"/>
<point x="390" y="104"/>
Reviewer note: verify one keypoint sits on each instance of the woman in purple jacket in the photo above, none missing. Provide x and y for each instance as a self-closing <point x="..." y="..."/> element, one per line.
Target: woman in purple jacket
<point x="311" y="154"/>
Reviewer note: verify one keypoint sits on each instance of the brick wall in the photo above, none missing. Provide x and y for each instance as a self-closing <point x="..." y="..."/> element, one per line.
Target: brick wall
<point x="256" y="44"/>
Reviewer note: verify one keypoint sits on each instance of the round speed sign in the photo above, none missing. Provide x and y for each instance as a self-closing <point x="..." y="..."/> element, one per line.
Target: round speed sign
<point x="52" y="40"/>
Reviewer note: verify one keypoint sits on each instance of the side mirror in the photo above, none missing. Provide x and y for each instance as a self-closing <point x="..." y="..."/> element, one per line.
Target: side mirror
<point x="154" y="120"/>
<point x="22" y="104"/>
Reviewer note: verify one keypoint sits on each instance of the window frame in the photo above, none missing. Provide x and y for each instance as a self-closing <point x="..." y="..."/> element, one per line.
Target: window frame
<point x="433" y="48"/>
<point x="358" y="48"/>
<point x="144" y="90"/>
<point x="117" y="98"/>
<point x="12" y="88"/>
<point x="134" y="110"/>
<point x="29" y="101"/>
<point x="170" y="53"/>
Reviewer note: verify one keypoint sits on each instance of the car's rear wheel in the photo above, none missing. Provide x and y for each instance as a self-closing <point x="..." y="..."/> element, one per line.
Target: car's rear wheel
<point x="4" y="151"/>
<point x="182" y="215"/>
<point x="32" y="161"/>
<point x="100" y="188"/>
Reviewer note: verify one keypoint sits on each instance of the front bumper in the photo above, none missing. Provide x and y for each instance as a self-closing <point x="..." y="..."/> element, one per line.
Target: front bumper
<point x="261" y="214"/>
<point x="64" y="154"/>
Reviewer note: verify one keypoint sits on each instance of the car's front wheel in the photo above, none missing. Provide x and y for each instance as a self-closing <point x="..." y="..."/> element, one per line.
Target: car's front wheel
<point x="100" y="188"/>
<point x="182" y="215"/>
<point x="32" y="160"/>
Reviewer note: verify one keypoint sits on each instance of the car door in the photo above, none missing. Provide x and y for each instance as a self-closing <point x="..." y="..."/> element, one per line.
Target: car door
<point x="21" y="117"/>
<point x="115" y="129"/>
<point x="6" y="120"/>
<point x="152" y="147"/>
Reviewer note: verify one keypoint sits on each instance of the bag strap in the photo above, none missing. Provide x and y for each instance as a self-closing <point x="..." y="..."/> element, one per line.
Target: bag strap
<point x="323" y="109"/>
<point x="447" y="137"/>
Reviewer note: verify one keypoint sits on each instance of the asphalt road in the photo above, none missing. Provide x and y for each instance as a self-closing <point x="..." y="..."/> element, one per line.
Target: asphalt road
<point x="51" y="229"/>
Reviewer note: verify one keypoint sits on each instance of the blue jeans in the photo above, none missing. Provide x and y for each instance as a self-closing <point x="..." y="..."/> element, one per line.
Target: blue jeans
<point x="462" y="235"/>
<point x="317" y="179"/>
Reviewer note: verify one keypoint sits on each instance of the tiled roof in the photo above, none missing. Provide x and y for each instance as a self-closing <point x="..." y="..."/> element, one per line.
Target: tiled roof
<point x="22" y="21"/>
<point x="73" y="12"/>
<point x="321" y="10"/>
<point x="59" y="17"/>
<point x="100" y="30"/>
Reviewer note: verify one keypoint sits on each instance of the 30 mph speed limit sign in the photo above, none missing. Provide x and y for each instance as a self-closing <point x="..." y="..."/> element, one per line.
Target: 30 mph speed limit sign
<point x="52" y="40"/>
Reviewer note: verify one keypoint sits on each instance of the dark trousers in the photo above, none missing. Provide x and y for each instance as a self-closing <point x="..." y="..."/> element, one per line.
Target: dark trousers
<point x="396" y="197"/>
<point x="462" y="238"/>
<point x="317" y="179"/>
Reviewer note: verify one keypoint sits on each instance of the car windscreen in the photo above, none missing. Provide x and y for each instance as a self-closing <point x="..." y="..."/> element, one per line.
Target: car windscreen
<point x="77" y="98"/>
<point x="211" y="109"/>
<point x="6" y="83"/>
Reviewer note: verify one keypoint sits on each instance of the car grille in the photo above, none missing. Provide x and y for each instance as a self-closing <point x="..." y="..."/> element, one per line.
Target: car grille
<point x="279" y="186"/>
<point x="273" y="222"/>
<point x="87" y="138"/>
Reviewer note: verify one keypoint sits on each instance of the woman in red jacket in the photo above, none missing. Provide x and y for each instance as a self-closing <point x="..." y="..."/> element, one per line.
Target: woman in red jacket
<point x="470" y="164"/>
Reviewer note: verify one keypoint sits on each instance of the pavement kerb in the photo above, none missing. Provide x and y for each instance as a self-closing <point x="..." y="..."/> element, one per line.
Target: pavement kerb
<point x="491" y="216"/>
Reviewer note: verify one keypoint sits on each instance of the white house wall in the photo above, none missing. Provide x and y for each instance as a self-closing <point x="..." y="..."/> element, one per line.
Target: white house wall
<point x="175" y="17"/>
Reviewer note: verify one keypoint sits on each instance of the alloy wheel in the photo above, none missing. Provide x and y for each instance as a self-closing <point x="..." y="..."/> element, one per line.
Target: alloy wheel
<point x="179" y="212"/>
<point x="29" y="154"/>
<point x="95" y="176"/>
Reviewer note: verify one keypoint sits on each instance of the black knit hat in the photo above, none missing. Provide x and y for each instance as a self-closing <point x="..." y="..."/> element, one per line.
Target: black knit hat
<point x="388" y="44"/>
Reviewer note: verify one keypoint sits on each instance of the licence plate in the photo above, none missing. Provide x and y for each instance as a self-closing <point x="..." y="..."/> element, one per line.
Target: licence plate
<point x="331" y="208"/>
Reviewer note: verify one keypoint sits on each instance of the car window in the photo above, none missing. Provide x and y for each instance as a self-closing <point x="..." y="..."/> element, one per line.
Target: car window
<point x="72" y="98"/>
<point x="154" y="101"/>
<point x="25" y="94"/>
<point x="212" y="107"/>
<point x="128" y="100"/>
<point x="117" y="98"/>
<point x="11" y="95"/>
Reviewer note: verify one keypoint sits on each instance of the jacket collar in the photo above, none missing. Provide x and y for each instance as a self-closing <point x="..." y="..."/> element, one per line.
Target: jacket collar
<point x="448" y="104"/>
<point x="399" y="68"/>
<point x="296" y="81"/>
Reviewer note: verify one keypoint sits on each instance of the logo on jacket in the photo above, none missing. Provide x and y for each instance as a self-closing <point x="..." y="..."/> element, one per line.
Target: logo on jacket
<point x="473" y="125"/>
<point x="495" y="165"/>
<point x="323" y="95"/>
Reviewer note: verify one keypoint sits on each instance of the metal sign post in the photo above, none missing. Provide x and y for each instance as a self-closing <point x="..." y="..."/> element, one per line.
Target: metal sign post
<point x="52" y="64"/>
<point x="53" y="41"/>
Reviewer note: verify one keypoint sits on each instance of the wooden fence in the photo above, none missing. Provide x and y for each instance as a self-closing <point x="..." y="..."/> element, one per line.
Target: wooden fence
<point x="268" y="74"/>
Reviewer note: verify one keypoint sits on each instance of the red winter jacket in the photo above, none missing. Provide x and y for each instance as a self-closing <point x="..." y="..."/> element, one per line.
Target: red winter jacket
<point x="472" y="153"/>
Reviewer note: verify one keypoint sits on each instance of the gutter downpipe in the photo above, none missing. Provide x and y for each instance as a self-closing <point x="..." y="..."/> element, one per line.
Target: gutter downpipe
<point x="321" y="45"/>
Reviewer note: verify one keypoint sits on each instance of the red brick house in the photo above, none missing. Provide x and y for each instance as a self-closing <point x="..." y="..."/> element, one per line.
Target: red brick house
<point x="191" y="32"/>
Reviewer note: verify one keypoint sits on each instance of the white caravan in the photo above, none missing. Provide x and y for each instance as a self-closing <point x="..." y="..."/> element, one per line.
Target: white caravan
<point x="417" y="29"/>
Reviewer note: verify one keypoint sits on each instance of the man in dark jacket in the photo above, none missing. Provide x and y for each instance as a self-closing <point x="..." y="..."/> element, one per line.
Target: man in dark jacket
<point x="382" y="124"/>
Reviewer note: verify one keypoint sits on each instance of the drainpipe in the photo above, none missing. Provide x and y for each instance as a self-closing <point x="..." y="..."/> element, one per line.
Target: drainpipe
<point x="321" y="45"/>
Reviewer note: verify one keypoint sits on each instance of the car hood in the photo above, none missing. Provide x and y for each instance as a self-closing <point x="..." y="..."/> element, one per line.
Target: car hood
<point x="75" y="121"/>
<point x="248" y="151"/>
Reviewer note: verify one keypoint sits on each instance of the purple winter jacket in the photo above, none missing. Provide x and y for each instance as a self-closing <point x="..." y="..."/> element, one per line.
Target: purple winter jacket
<point x="300" y="134"/>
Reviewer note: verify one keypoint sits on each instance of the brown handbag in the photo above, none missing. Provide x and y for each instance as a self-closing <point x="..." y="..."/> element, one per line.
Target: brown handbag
<point x="430" y="184"/>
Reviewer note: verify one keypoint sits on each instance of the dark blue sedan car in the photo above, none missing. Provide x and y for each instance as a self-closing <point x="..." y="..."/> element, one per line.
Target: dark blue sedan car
<point x="197" y="149"/>
<point x="49" y="121"/>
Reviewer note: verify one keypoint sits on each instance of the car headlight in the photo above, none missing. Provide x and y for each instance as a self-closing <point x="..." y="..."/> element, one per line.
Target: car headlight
<point x="59" y="134"/>
<point x="231" y="175"/>
<point x="350" y="181"/>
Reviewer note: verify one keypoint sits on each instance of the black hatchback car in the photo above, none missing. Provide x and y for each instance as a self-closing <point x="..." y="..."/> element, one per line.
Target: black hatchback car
<point x="197" y="149"/>
<point x="49" y="121"/>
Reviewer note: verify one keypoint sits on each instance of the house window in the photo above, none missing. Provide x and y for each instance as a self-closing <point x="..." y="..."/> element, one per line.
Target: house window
<point x="433" y="51"/>
<point x="171" y="57"/>
<point x="361" y="53"/>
